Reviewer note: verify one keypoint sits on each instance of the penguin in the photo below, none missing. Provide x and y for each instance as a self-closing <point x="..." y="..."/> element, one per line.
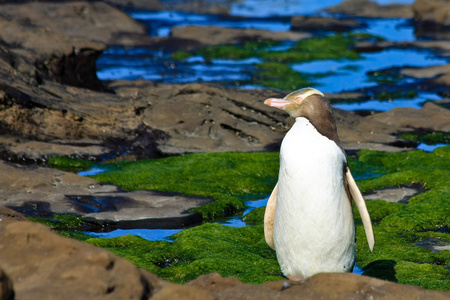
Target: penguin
<point x="309" y="218"/>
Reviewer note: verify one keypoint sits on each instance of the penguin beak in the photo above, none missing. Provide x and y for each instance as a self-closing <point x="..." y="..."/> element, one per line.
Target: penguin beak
<point x="276" y="102"/>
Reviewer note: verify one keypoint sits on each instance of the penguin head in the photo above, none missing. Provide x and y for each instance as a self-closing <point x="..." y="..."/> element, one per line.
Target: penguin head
<point x="296" y="103"/>
<point x="311" y="104"/>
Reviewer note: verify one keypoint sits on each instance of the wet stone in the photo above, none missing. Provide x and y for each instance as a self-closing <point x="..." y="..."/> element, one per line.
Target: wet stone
<point x="434" y="244"/>
<point x="400" y="194"/>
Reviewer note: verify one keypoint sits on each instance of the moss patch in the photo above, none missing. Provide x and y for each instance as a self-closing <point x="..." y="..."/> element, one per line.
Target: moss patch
<point x="280" y="76"/>
<point x="242" y="252"/>
<point x="239" y="252"/>
<point x="329" y="47"/>
<point x="396" y="95"/>
<point x="226" y="177"/>
<point x="69" y="164"/>
<point x="428" y="138"/>
<point x="60" y="221"/>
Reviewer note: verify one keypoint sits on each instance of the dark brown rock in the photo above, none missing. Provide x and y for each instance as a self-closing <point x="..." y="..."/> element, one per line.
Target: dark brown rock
<point x="95" y="21"/>
<point x="432" y="15"/>
<point x="440" y="75"/>
<point x="31" y="55"/>
<point x="366" y="8"/>
<point x="352" y="286"/>
<point x="6" y="287"/>
<point x="431" y="116"/>
<point x="312" y="23"/>
<point x="43" y="265"/>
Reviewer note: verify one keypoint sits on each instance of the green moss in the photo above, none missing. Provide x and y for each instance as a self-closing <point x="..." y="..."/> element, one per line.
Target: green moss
<point x="385" y="77"/>
<point x="226" y="177"/>
<point x="239" y="252"/>
<point x="279" y="76"/>
<point x="406" y="168"/>
<point x="60" y="221"/>
<point x="256" y="216"/>
<point x="69" y="164"/>
<point x="429" y="138"/>
<point x="180" y="55"/>
<point x="378" y="209"/>
<point x="396" y="95"/>
<point x="330" y="47"/>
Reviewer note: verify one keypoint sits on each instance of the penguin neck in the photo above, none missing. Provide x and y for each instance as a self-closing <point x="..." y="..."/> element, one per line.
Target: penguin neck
<point x="319" y="113"/>
<point x="325" y="127"/>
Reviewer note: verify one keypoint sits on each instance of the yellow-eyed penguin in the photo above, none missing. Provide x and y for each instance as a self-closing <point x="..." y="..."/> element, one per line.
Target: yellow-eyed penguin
<point x="309" y="217"/>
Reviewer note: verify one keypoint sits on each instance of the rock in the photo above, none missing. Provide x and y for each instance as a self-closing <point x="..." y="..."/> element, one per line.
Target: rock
<point x="312" y="23"/>
<point x="351" y="286"/>
<point x="8" y="216"/>
<point x="431" y="15"/>
<point x="366" y="8"/>
<point x="400" y="194"/>
<point x="431" y="116"/>
<point x="95" y="21"/>
<point x="201" y="6"/>
<point x="436" y="75"/>
<point x="434" y="244"/>
<point x="38" y="191"/>
<point x="214" y="35"/>
<point x="43" y="265"/>
<point x="427" y="72"/>
<point x="31" y="55"/>
<point x="6" y="288"/>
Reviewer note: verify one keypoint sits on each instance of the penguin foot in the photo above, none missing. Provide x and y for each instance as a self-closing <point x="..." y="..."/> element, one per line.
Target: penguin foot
<point x="295" y="278"/>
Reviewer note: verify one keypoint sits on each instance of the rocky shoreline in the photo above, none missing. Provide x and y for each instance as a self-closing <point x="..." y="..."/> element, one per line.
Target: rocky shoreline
<point x="53" y="104"/>
<point x="37" y="263"/>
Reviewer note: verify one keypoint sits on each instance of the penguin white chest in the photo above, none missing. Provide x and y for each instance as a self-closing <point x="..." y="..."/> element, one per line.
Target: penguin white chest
<point x="313" y="227"/>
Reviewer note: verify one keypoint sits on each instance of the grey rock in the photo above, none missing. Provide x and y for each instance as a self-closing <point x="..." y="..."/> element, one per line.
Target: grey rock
<point x="39" y="191"/>
<point x="366" y="8"/>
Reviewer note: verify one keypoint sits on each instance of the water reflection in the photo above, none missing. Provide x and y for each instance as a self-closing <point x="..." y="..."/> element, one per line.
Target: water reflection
<point x="148" y="234"/>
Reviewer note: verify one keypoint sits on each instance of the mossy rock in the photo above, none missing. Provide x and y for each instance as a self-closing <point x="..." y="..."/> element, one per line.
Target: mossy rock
<point x="432" y="138"/>
<point x="226" y="177"/>
<point x="69" y="164"/>
<point x="60" y="221"/>
<point x="239" y="252"/>
<point x="242" y="252"/>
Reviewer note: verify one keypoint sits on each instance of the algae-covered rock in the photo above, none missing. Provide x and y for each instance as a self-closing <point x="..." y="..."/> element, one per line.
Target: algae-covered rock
<point x="230" y="251"/>
<point x="226" y="177"/>
<point x="400" y="228"/>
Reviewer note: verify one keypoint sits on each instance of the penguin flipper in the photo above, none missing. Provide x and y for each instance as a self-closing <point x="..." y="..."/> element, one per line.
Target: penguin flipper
<point x="269" y="216"/>
<point x="362" y="208"/>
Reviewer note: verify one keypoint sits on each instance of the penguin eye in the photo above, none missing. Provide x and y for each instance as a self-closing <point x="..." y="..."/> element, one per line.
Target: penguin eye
<point x="298" y="99"/>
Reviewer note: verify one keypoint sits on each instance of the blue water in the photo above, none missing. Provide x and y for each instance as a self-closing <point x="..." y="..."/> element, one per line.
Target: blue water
<point x="148" y="234"/>
<point x="385" y="105"/>
<point x="353" y="74"/>
<point x="266" y="8"/>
